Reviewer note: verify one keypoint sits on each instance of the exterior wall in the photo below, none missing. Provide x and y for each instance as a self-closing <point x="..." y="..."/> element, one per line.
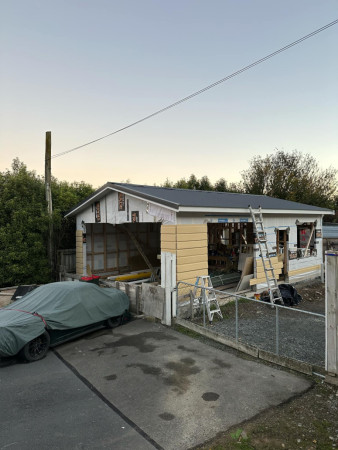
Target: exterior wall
<point x="79" y="252"/>
<point x="109" y="211"/>
<point x="190" y="244"/>
<point x="299" y="268"/>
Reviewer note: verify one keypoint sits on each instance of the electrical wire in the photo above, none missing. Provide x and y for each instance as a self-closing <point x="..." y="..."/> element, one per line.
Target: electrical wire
<point x="283" y="49"/>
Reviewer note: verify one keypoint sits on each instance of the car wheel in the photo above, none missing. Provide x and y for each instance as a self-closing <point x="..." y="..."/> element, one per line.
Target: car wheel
<point x="37" y="348"/>
<point x="114" y="322"/>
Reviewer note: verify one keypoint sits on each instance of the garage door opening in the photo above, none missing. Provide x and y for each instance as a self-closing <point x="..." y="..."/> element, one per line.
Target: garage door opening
<point x="230" y="254"/>
<point x="114" y="250"/>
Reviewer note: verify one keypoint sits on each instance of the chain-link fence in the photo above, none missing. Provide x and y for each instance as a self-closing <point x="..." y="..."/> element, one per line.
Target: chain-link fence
<point x="285" y="331"/>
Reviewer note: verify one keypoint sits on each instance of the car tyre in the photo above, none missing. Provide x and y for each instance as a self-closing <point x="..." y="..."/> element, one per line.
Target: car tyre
<point x="114" y="322"/>
<point x="36" y="348"/>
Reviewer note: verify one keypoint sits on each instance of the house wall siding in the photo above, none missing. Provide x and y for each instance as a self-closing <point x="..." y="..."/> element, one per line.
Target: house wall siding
<point x="79" y="252"/>
<point x="190" y="244"/>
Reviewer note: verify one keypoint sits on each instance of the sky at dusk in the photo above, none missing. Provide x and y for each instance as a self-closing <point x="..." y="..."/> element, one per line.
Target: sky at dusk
<point x="83" y="69"/>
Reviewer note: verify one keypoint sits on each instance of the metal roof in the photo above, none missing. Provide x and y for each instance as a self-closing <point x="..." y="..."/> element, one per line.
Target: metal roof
<point x="178" y="198"/>
<point x="210" y="199"/>
<point x="330" y="231"/>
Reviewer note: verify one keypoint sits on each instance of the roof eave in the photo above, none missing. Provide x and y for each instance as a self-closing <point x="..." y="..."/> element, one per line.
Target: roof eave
<point x="197" y="209"/>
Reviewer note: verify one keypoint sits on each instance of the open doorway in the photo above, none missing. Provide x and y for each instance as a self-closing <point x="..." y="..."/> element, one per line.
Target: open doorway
<point x="230" y="252"/>
<point x="282" y="239"/>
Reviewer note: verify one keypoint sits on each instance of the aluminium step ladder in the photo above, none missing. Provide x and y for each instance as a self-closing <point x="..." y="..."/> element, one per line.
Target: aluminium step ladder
<point x="210" y="299"/>
<point x="261" y="240"/>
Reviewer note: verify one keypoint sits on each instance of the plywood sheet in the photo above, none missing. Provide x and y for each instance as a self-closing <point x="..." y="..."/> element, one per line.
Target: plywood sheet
<point x="244" y="283"/>
<point x="248" y="266"/>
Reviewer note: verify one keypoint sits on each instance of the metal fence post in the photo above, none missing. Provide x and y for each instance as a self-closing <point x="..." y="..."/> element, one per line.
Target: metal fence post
<point x="236" y="302"/>
<point x="203" y="300"/>
<point x="277" y="330"/>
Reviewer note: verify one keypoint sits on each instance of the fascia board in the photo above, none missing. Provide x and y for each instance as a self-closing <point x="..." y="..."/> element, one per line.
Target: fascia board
<point x="194" y="209"/>
<point x="85" y="204"/>
<point x="104" y="192"/>
<point x="149" y="198"/>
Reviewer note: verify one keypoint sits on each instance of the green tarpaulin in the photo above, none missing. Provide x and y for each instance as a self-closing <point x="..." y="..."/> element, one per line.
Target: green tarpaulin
<point x="57" y="306"/>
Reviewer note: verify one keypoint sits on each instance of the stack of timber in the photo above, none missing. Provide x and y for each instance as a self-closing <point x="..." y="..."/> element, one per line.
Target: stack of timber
<point x="260" y="274"/>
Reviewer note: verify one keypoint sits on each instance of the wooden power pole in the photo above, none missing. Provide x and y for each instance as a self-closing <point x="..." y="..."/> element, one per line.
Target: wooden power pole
<point x="48" y="190"/>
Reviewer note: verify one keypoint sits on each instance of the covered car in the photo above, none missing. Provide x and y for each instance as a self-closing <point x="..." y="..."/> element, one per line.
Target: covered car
<point x="57" y="312"/>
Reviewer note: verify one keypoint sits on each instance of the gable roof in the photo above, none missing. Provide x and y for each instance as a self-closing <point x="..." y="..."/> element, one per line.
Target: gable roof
<point x="186" y="199"/>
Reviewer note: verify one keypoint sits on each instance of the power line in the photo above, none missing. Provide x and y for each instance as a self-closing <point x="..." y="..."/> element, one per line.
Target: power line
<point x="283" y="49"/>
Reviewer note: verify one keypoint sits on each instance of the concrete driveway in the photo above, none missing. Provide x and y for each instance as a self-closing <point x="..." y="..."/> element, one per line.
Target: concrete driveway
<point x="173" y="390"/>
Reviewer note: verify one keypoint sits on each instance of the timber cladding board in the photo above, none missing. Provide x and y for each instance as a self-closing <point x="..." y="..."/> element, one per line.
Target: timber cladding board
<point x="184" y="229"/>
<point x="274" y="260"/>
<point x="190" y="277"/>
<point x="186" y="237"/>
<point x="304" y="270"/>
<point x="168" y="237"/>
<point x="192" y="244"/>
<point x="199" y="251"/>
<point x="193" y="259"/>
<point x="261" y="280"/>
<point x="183" y="268"/>
<point x="275" y="267"/>
<point x="168" y="229"/>
<point x="168" y="246"/>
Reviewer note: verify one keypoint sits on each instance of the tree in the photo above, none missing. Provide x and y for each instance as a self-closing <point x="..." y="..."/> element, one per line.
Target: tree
<point x="291" y="176"/>
<point x="23" y="227"/>
<point x="24" y="224"/>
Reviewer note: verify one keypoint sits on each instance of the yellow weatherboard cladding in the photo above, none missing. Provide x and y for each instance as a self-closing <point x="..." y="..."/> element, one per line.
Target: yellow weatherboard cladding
<point x="79" y="252"/>
<point x="190" y="244"/>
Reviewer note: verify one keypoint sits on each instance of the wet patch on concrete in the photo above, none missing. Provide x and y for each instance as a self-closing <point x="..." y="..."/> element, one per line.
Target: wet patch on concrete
<point x="111" y="377"/>
<point x="139" y="341"/>
<point x="178" y="379"/>
<point x="221" y="363"/>
<point x="210" y="396"/>
<point x="147" y="370"/>
<point x="181" y="372"/>
<point x="166" y="416"/>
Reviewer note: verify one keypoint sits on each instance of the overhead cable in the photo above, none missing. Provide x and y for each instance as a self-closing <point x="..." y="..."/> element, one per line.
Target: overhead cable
<point x="259" y="61"/>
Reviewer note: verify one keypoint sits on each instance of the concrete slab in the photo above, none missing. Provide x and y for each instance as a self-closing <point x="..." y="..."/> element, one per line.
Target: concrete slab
<point x="179" y="391"/>
<point x="45" y="406"/>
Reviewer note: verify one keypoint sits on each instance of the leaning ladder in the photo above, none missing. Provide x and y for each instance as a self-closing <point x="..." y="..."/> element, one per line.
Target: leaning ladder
<point x="211" y="302"/>
<point x="261" y="240"/>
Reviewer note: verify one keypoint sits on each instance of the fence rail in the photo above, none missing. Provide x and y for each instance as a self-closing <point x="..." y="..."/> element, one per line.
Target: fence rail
<point x="285" y="331"/>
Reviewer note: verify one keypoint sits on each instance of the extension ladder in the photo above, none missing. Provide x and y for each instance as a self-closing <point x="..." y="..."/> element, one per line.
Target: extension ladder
<point x="261" y="240"/>
<point x="210" y="299"/>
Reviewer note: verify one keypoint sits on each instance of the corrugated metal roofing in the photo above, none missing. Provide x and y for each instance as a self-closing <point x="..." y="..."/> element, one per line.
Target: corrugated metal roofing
<point x="176" y="198"/>
<point x="210" y="199"/>
<point x="330" y="231"/>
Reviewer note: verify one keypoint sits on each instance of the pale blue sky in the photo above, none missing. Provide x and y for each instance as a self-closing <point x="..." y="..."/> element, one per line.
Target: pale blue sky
<point x="84" y="68"/>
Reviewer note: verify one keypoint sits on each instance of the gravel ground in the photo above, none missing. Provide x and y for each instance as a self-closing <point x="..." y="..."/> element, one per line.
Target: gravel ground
<point x="301" y="336"/>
